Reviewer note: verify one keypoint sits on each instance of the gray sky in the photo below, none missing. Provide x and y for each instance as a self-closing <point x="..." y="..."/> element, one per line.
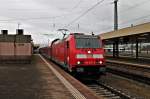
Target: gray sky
<point x="42" y="18"/>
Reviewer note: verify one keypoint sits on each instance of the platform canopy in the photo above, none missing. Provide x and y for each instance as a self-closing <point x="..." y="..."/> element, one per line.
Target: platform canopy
<point x="138" y="29"/>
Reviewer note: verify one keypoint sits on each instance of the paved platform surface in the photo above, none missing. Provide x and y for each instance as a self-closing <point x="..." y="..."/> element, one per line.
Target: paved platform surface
<point x="30" y="81"/>
<point x="142" y="62"/>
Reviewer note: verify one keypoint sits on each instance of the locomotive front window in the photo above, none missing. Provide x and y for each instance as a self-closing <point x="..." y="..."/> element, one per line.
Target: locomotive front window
<point x="87" y="43"/>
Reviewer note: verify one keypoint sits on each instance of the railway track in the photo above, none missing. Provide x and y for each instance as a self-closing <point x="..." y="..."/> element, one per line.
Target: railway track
<point x="77" y="89"/>
<point x="106" y="91"/>
<point x="131" y="71"/>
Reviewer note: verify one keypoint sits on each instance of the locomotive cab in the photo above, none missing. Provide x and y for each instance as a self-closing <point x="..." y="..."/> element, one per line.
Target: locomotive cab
<point x="86" y="54"/>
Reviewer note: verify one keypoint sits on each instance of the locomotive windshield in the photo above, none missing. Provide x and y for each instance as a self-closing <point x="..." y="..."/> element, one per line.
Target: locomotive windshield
<point x="88" y="43"/>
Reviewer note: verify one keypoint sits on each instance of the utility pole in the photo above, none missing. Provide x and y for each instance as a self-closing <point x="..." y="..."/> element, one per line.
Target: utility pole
<point x="54" y="25"/>
<point x="19" y="25"/>
<point x="78" y="26"/>
<point x="116" y="41"/>
<point x="115" y="15"/>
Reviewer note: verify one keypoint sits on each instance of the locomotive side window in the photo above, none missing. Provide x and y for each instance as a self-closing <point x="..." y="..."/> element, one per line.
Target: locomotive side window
<point x="88" y="43"/>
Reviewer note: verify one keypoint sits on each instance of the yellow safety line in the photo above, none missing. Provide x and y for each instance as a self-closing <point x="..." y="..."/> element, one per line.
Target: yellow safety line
<point x="69" y="86"/>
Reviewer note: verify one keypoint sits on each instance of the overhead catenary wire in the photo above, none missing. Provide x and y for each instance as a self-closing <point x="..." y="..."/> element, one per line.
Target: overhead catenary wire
<point x="34" y="18"/>
<point x="135" y="6"/>
<point x="77" y="5"/>
<point x="129" y="9"/>
<point x="136" y="19"/>
<point x="39" y="18"/>
<point x="129" y="21"/>
<point x="76" y="19"/>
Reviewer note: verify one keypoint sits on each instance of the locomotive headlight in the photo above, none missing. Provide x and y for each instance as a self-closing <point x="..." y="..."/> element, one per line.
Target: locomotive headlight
<point x="98" y="56"/>
<point x="100" y="62"/>
<point x="81" y="56"/>
<point x="78" y="62"/>
<point x="89" y="52"/>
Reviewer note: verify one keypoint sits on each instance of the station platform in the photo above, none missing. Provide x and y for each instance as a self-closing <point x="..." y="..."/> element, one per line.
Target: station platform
<point x="145" y="62"/>
<point x="32" y="81"/>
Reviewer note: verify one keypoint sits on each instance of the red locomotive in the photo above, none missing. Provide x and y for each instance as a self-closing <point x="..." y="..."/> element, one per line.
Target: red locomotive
<point x="78" y="53"/>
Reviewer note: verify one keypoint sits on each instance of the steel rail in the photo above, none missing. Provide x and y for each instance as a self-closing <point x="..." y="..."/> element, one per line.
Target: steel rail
<point x="130" y="71"/>
<point x="107" y="91"/>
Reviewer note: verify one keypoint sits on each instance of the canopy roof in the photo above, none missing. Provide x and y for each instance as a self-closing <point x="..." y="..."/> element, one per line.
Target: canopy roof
<point x="138" y="29"/>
